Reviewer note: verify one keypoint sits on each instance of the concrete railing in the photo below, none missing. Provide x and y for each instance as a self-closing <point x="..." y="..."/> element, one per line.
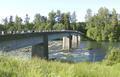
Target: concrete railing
<point x="33" y="31"/>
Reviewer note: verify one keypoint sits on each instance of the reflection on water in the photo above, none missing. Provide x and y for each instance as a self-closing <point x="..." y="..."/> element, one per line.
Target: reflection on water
<point x="87" y="51"/>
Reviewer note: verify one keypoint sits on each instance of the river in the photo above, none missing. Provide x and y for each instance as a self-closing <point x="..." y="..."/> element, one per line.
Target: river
<point x="88" y="51"/>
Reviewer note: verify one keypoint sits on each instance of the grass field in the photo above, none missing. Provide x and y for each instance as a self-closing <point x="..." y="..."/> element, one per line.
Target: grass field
<point x="11" y="67"/>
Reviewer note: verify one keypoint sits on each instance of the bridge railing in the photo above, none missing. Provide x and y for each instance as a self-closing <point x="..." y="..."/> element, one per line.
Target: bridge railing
<point x="34" y="31"/>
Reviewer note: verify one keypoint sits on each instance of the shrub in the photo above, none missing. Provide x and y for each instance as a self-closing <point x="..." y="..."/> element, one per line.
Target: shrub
<point x="113" y="57"/>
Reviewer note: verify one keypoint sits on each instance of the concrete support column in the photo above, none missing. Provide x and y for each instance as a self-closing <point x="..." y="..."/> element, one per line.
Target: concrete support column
<point x="74" y="41"/>
<point x="41" y="50"/>
<point x="79" y="40"/>
<point x="67" y="42"/>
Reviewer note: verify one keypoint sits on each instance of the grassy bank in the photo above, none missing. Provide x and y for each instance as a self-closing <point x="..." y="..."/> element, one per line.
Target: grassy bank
<point x="10" y="67"/>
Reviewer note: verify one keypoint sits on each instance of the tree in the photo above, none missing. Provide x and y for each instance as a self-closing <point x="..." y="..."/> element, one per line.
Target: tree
<point x="2" y="28"/>
<point x="67" y="21"/>
<point x="43" y="19"/>
<point x="62" y="18"/>
<point x="11" y="24"/>
<point x="51" y="19"/>
<point x="96" y="25"/>
<point x="81" y="26"/>
<point x="114" y="35"/>
<point x="18" y="23"/>
<point x="37" y="22"/>
<point x="73" y="20"/>
<point x="27" y="18"/>
<point x="88" y="15"/>
<point x="58" y="26"/>
<point x="88" y="19"/>
<point x="5" y="22"/>
<point x="31" y="25"/>
<point x="58" y="13"/>
<point x="58" y="16"/>
<point x="103" y="26"/>
<point x="105" y="22"/>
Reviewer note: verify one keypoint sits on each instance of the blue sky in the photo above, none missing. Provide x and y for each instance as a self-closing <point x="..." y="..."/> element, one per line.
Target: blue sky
<point x="31" y="7"/>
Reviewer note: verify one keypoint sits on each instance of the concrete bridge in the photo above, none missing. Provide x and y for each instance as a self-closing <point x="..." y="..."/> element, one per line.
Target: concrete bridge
<point x="38" y="40"/>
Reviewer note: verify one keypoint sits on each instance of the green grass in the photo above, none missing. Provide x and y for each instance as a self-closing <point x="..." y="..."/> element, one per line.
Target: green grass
<point x="11" y="67"/>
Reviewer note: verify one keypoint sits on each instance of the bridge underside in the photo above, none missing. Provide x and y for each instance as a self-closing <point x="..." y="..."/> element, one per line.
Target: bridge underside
<point x="38" y="42"/>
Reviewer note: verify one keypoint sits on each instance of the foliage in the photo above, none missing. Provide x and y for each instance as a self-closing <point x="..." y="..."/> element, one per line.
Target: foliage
<point x="51" y="19"/>
<point x="113" y="57"/>
<point x="2" y="27"/>
<point x="67" y="21"/>
<point x="81" y="26"/>
<point x="39" y="22"/>
<point x="103" y="26"/>
<point x="73" y="21"/>
<point x="58" y="26"/>
<point x="18" y="23"/>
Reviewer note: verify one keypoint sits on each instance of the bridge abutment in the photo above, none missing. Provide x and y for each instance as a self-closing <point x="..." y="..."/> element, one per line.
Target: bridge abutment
<point x="41" y="50"/>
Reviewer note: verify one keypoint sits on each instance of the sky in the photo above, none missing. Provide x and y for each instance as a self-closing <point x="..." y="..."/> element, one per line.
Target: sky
<point x="31" y="7"/>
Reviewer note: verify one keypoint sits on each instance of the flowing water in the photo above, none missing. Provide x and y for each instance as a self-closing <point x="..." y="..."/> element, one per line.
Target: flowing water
<point x="88" y="51"/>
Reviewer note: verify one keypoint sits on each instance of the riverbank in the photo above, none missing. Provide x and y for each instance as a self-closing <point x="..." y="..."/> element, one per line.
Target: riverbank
<point x="11" y="67"/>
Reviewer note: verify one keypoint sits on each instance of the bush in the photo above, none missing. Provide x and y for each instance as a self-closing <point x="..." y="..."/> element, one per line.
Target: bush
<point x="113" y="57"/>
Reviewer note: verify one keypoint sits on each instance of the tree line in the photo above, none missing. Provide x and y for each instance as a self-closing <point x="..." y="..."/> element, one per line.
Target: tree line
<point x="102" y="26"/>
<point x="55" y="21"/>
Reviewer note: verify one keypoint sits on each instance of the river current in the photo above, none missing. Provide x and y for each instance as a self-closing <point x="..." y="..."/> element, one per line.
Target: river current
<point x="88" y="51"/>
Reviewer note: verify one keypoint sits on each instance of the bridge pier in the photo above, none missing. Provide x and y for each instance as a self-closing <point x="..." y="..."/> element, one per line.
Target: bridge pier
<point x="79" y="40"/>
<point x="41" y="50"/>
<point x="67" y="42"/>
<point x="71" y="42"/>
<point x="74" y="41"/>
